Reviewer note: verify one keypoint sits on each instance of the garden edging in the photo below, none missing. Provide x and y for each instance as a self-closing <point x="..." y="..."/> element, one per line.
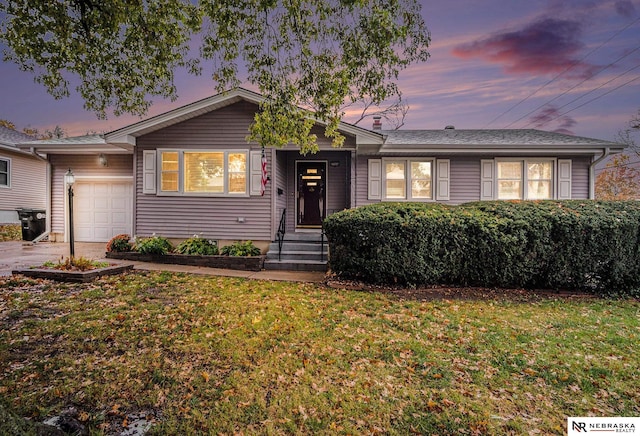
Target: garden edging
<point x="73" y="276"/>
<point x="243" y="263"/>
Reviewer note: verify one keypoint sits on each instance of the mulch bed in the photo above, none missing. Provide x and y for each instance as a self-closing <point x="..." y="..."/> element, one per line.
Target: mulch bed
<point x="465" y="293"/>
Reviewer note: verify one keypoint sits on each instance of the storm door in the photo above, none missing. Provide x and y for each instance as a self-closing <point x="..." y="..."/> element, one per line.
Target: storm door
<point x="311" y="190"/>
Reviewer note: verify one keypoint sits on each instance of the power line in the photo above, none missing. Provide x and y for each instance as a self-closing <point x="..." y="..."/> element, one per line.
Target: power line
<point x="593" y="99"/>
<point x="561" y="73"/>
<point x="574" y="86"/>
<point x="585" y="94"/>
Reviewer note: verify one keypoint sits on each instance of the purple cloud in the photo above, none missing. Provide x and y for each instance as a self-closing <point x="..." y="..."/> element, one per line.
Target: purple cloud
<point x="625" y="8"/>
<point x="551" y="114"/>
<point x="548" y="45"/>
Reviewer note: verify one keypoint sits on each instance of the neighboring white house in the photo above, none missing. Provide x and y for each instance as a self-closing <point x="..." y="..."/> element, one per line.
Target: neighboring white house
<point x="23" y="177"/>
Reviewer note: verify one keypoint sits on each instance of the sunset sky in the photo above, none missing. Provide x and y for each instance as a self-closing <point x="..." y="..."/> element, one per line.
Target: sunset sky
<point x="560" y="65"/>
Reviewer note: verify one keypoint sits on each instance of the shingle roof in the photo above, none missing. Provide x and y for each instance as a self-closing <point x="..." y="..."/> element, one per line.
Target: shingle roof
<point x="12" y="137"/>
<point x="529" y="137"/>
<point x="75" y="140"/>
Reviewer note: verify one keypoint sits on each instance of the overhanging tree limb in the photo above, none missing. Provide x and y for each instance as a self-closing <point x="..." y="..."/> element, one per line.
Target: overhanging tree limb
<point x="315" y="55"/>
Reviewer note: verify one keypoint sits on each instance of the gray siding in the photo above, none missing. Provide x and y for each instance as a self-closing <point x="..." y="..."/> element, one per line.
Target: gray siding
<point x="212" y="217"/>
<point x="81" y="166"/>
<point x="27" y="184"/>
<point x="580" y="178"/>
<point x="465" y="180"/>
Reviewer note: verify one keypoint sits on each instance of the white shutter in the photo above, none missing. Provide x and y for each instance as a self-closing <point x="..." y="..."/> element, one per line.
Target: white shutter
<point x="487" y="179"/>
<point x="149" y="176"/>
<point x="375" y="179"/>
<point x="443" y="179"/>
<point x="564" y="179"/>
<point x="255" y="170"/>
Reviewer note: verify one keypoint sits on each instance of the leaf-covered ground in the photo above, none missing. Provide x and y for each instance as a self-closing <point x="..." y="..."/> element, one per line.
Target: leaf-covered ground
<point x="221" y="355"/>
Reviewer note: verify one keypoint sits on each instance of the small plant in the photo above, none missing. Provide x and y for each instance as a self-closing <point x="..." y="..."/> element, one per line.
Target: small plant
<point x="198" y="246"/>
<point x="75" y="263"/>
<point x="153" y="245"/>
<point x="119" y="243"/>
<point x="240" y="248"/>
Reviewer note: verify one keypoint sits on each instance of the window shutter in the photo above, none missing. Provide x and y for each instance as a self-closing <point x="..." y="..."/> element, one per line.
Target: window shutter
<point x="564" y="179"/>
<point x="255" y="170"/>
<point x="149" y="171"/>
<point x="443" y="179"/>
<point x="487" y="179"/>
<point x="375" y="179"/>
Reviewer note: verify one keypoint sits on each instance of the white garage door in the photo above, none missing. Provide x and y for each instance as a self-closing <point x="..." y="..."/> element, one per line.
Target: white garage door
<point x="102" y="210"/>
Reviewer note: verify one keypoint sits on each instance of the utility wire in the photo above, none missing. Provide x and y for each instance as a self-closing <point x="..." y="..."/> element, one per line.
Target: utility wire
<point x="585" y="94"/>
<point x="560" y="74"/>
<point x="574" y="86"/>
<point x="589" y="101"/>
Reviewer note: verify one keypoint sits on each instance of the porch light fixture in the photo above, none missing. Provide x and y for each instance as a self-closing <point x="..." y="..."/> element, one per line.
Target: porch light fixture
<point x="102" y="159"/>
<point x="69" y="180"/>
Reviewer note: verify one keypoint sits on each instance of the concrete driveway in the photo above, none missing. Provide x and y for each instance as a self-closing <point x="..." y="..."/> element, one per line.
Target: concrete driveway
<point x="20" y="254"/>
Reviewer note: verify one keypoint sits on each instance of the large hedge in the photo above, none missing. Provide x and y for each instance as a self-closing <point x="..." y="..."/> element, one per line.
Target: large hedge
<point x="585" y="245"/>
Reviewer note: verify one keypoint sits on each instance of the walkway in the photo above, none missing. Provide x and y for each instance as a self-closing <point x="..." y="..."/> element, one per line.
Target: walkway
<point x="19" y="254"/>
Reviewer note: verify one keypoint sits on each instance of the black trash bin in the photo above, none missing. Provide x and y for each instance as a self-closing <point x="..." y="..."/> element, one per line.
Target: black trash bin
<point x="34" y="223"/>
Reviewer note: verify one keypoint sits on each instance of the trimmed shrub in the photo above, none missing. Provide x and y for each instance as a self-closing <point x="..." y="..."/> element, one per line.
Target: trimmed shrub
<point x="240" y="248"/>
<point x="197" y="246"/>
<point x="119" y="243"/>
<point x="153" y="245"/>
<point x="585" y="245"/>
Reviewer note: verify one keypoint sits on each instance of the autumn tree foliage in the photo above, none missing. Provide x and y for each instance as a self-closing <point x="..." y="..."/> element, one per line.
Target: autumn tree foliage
<point x="618" y="180"/>
<point x="57" y="132"/>
<point x="303" y="56"/>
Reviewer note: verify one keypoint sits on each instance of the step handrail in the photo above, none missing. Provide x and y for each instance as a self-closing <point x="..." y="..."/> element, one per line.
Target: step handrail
<point x="282" y="229"/>
<point x="322" y="241"/>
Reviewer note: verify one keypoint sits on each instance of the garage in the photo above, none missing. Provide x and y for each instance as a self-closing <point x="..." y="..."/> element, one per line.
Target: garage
<point x="102" y="209"/>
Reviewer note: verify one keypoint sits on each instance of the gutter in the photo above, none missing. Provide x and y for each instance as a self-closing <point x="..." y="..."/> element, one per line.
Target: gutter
<point x="592" y="172"/>
<point x="32" y="152"/>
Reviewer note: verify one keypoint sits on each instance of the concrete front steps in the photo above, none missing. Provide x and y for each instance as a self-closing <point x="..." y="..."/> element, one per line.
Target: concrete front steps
<point x="300" y="252"/>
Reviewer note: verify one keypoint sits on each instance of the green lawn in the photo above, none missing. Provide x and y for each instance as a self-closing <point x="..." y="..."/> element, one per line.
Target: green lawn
<point x="221" y="355"/>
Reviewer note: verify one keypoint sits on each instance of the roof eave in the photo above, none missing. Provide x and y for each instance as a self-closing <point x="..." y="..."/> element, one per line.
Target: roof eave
<point x="521" y="149"/>
<point x="77" y="148"/>
<point x="14" y="149"/>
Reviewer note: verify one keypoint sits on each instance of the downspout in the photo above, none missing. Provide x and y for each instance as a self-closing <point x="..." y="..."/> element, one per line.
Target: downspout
<point x="32" y="151"/>
<point x="47" y="200"/>
<point x="592" y="172"/>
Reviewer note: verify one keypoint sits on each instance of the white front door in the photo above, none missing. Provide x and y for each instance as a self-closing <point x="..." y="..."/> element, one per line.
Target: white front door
<point x="102" y="210"/>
